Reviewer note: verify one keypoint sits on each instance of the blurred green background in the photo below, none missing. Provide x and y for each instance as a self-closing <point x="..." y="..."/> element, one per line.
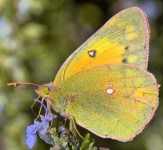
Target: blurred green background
<point x="36" y="36"/>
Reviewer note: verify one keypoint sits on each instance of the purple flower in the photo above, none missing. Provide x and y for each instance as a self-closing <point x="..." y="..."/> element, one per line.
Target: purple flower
<point x="45" y="125"/>
<point x="31" y="137"/>
<point x="40" y="128"/>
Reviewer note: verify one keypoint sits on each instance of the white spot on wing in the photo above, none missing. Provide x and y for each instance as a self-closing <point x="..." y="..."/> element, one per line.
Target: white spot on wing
<point x="111" y="85"/>
<point x="109" y="91"/>
<point x="91" y="53"/>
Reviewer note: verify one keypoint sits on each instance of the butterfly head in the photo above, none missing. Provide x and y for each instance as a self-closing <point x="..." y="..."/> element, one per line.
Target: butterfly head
<point x="50" y="93"/>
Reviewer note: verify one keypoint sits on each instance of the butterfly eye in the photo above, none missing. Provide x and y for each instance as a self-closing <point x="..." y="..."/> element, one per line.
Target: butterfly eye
<point x="45" y="90"/>
<point x="92" y="53"/>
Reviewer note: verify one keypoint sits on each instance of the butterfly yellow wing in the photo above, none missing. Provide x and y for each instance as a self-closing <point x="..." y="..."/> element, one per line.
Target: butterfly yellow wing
<point x="114" y="101"/>
<point x="123" y="39"/>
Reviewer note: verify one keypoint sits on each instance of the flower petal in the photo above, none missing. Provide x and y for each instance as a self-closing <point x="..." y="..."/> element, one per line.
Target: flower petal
<point x="32" y="129"/>
<point x="31" y="140"/>
<point x="43" y="135"/>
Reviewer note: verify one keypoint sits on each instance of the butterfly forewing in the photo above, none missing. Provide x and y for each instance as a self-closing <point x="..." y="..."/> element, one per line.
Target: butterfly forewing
<point x="124" y="39"/>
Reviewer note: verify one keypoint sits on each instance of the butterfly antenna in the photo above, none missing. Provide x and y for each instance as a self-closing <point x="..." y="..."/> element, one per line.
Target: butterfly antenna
<point x="21" y="83"/>
<point x="27" y="83"/>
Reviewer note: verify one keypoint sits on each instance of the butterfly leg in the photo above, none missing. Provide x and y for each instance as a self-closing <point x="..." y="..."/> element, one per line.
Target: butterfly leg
<point x="73" y="128"/>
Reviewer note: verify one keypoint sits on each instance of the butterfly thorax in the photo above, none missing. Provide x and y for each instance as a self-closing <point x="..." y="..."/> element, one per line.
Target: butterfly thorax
<point x="51" y="94"/>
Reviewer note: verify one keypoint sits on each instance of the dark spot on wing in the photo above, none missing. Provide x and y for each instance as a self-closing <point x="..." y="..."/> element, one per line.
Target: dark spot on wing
<point x="124" y="60"/>
<point x="126" y="47"/>
<point x="92" y="53"/>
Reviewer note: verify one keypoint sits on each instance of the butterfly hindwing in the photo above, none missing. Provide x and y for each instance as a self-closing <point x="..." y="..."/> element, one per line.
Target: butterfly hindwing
<point x="115" y="101"/>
